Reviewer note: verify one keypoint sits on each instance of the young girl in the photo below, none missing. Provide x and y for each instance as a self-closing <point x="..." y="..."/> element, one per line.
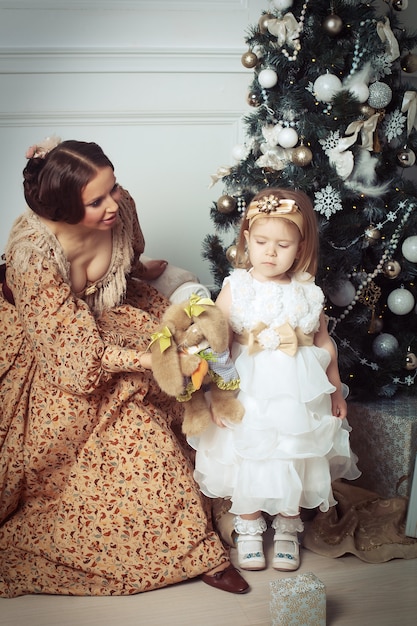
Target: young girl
<point x="293" y="440"/>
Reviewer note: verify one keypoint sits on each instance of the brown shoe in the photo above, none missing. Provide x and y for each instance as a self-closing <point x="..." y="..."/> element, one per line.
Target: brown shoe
<point x="227" y="579"/>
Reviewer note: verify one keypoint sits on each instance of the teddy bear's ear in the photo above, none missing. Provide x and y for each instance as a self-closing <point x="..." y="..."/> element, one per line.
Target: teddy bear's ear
<point x="214" y="325"/>
<point x="176" y="317"/>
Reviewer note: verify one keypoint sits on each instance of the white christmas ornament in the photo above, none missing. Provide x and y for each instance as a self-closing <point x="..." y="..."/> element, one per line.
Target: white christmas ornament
<point x="384" y="345"/>
<point x="326" y="86"/>
<point x="409" y="249"/>
<point x="239" y="152"/>
<point x="282" y="5"/>
<point x="267" y="78"/>
<point x="360" y="91"/>
<point x="400" y="301"/>
<point x="344" y="295"/>
<point x="288" y="138"/>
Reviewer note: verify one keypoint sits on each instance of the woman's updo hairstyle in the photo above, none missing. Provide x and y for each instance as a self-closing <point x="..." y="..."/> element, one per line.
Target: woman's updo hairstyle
<point x="53" y="183"/>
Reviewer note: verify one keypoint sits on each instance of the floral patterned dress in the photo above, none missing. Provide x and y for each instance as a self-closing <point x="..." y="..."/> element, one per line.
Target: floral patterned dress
<point x="96" y="489"/>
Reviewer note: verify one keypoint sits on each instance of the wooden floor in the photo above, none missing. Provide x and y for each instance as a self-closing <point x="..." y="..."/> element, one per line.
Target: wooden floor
<point x="357" y="594"/>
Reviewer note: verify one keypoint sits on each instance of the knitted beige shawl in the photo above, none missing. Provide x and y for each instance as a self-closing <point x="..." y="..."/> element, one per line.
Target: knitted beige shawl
<point x="31" y="241"/>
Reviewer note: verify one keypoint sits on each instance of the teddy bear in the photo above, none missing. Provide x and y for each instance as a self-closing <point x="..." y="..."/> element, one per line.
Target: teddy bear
<point x="190" y="355"/>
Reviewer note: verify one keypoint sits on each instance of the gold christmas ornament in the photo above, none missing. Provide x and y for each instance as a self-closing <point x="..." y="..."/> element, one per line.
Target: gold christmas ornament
<point x="226" y="204"/>
<point x="406" y="157"/>
<point x="263" y="22"/>
<point x="231" y="254"/>
<point x="333" y="25"/>
<point x="391" y="269"/>
<point x="366" y="110"/>
<point x="249" y="59"/>
<point x="409" y="63"/>
<point x="253" y="99"/>
<point x="302" y="156"/>
<point x="399" y="5"/>
<point x="410" y="361"/>
<point x="372" y="234"/>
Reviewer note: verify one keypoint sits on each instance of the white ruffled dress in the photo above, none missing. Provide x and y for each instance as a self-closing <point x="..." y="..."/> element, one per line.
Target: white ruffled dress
<point x="288" y="447"/>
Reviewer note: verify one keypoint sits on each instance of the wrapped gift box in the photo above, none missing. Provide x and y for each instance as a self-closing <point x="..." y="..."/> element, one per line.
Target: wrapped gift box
<point x="384" y="436"/>
<point x="298" y="601"/>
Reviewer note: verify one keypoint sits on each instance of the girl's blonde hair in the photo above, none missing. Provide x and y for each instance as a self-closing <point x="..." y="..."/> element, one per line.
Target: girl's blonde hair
<point x="307" y="261"/>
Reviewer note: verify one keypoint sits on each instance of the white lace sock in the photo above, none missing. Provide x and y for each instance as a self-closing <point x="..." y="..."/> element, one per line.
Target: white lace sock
<point x="286" y="545"/>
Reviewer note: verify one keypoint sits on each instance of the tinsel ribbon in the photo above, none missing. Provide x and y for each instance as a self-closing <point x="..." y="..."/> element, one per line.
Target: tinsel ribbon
<point x="196" y="305"/>
<point x="286" y="30"/>
<point x="409" y="106"/>
<point x="164" y="338"/>
<point x="290" y="339"/>
<point x="385" y="33"/>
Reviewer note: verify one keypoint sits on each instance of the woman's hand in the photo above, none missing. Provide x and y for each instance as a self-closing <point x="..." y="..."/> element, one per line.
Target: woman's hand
<point x="145" y="359"/>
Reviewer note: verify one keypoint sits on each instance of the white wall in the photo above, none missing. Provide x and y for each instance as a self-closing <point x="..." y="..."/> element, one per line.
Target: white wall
<point x="158" y="83"/>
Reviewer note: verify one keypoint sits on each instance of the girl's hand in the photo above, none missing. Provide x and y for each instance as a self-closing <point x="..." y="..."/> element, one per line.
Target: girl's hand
<point x="339" y="406"/>
<point x="217" y="420"/>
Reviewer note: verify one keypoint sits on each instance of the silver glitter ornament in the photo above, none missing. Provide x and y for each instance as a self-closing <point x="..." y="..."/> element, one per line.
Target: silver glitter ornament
<point x="380" y="95"/>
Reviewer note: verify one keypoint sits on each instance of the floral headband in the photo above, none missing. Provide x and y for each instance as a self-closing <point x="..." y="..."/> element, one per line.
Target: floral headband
<point x="40" y="150"/>
<point x="271" y="206"/>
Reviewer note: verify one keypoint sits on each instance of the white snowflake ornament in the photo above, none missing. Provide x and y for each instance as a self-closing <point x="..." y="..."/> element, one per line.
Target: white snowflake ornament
<point x="327" y="201"/>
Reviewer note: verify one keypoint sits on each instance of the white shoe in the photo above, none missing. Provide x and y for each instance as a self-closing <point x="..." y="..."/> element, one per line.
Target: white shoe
<point x="250" y="553"/>
<point x="286" y="552"/>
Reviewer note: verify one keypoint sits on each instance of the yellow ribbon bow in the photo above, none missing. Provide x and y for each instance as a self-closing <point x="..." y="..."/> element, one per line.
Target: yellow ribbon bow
<point x="196" y="305"/>
<point x="164" y="338"/>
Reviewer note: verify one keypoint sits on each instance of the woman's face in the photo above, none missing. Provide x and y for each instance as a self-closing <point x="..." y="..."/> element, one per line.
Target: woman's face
<point x="100" y="198"/>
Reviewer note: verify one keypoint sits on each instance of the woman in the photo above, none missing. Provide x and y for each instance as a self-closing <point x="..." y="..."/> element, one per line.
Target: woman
<point x="97" y="490"/>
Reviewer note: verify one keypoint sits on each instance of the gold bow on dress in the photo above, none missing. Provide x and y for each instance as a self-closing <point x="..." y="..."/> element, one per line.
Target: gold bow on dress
<point x="290" y="339"/>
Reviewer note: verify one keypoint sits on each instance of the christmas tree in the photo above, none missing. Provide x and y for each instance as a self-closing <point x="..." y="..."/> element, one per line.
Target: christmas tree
<point x="332" y="112"/>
